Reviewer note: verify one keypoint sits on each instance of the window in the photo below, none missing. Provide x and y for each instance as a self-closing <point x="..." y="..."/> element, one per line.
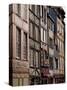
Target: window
<point x="37" y="33"/>
<point x="51" y="62"/>
<point x="56" y="47"/>
<point x="25" y="12"/>
<point x="61" y="63"/>
<point x="19" y="9"/>
<point x="62" y="31"/>
<point x="46" y="55"/>
<point x="31" y="58"/>
<point x="10" y="8"/>
<point x="43" y="15"/>
<point x="33" y="8"/>
<point x="43" y="35"/>
<point x="15" y="82"/>
<point x="56" y="63"/>
<point x="31" y="29"/>
<point x="43" y="57"/>
<point x="25" y="46"/>
<point x="37" y="10"/>
<point x="58" y="44"/>
<point x="50" y="24"/>
<point x="34" y="31"/>
<point x="25" y="81"/>
<point x="42" y="11"/>
<point x="62" y="46"/>
<point x="36" y="58"/>
<point x="18" y="42"/>
<point x="18" y="81"/>
<point x="51" y="42"/>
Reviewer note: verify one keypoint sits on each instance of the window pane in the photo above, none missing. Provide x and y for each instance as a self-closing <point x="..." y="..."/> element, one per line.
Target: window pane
<point x="41" y="34"/>
<point x="37" y="33"/>
<point x="50" y="24"/>
<point x="31" y="16"/>
<point x="37" y="45"/>
<point x="20" y="81"/>
<point x="42" y="58"/>
<point x="25" y="46"/>
<point x="38" y="10"/>
<point x="42" y="11"/>
<point x="52" y="28"/>
<point x="36" y="58"/>
<point x="31" y="30"/>
<point x="31" y="57"/>
<point x="56" y="63"/>
<point x="44" y="36"/>
<point x="51" y="42"/>
<point x="25" y="81"/>
<point x="15" y="82"/>
<point x="25" y="12"/>
<point x="36" y="20"/>
<point x="51" y="62"/>
<point x="44" y="16"/>
<point x="19" y="9"/>
<point x="18" y="42"/>
<point x="33" y="8"/>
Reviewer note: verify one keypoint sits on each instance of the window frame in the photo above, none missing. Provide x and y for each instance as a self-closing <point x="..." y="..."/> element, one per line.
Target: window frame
<point x="25" y="57"/>
<point x="51" y="63"/>
<point x="43" y="35"/>
<point x="56" y="63"/>
<point x="19" y="9"/>
<point x="34" y="58"/>
<point x="51" y="25"/>
<point x="17" y="43"/>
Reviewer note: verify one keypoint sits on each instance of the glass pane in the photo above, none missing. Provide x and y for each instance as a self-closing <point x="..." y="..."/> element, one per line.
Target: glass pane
<point x="19" y="9"/>
<point x="18" y="42"/>
<point x="25" y="46"/>
<point x="20" y="82"/>
<point x="44" y="16"/>
<point x="15" y="82"/>
<point x="25" y="12"/>
<point x="41" y="34"/>
<point x="42" y="58"/>
<point x="36" y="9"/>
<point x="31" y="57"/>
<point x="51" y="62"/>
<point x="52" y="26"/>
<point x="36" y="55"/>
<point x="31" y="16"/>
<point x="37" y="33"/>
<point x="37" y="45"/>
<point x="36" y="20"/>
<point x="44" y="36"/>
<point x="31" y="30"/>
<point x="25" y="81"/>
